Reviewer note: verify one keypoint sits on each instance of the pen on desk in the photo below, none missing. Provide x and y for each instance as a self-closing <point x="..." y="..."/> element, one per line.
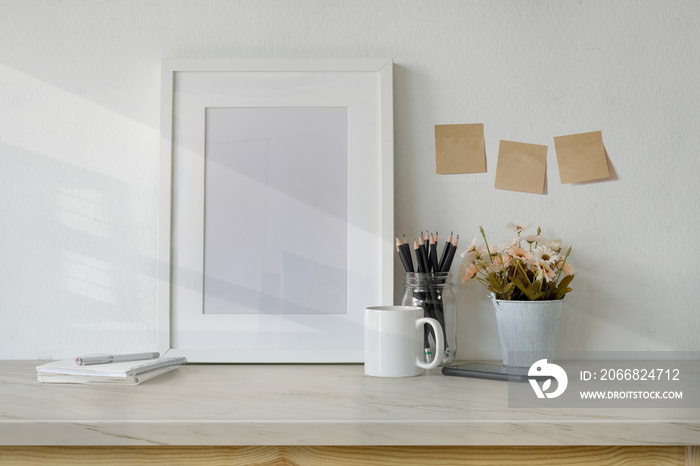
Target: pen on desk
<point x="110" y="358"/>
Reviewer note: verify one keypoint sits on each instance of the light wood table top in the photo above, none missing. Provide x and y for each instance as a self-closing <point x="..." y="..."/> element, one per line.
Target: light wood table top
<point x="202" y="404"/>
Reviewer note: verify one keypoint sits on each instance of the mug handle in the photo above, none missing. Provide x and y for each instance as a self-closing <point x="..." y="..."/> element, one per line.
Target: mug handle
<point x="439" y="343"/>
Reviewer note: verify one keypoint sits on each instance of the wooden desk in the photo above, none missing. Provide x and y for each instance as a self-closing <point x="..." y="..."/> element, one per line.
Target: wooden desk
<point x="301" y="414"/>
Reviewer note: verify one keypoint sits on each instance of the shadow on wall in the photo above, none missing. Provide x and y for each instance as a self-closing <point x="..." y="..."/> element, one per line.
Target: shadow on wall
<point x="74" y="278"/>
<point x="70" y="253"/>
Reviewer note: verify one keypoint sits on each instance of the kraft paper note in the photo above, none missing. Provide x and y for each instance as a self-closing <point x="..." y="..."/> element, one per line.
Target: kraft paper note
<point x="460" y="149"/>
<point x="521" y="167"/>
<point x="581" y="157"/>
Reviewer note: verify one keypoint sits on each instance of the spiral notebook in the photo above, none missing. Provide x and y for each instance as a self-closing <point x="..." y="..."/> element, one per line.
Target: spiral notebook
<point x="129" y="372"/>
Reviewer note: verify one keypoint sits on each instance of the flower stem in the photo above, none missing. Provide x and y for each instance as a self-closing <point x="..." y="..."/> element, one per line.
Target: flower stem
<point x="486" y="243"/>
<point x="561" y="269"/>
<point x="519" y="265"/>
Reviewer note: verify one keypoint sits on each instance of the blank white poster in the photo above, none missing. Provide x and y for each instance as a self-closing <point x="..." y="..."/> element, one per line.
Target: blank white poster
<point x="276" y="210"/>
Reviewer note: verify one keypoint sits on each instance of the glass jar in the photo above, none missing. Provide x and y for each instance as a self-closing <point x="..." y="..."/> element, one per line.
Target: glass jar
<point x="433" y="292"/>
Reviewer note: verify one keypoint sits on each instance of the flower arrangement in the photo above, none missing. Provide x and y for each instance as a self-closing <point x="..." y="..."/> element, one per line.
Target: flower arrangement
<point x="525" y="268"/>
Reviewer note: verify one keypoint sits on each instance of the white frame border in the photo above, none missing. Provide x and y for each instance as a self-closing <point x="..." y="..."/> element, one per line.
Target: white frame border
<point x="384" y="68"/>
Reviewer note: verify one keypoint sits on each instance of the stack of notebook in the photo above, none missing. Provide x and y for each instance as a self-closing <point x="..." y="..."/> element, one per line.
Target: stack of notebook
<point x="128" y="372"/>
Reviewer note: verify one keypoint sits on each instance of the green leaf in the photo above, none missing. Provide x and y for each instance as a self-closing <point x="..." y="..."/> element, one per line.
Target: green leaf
<point x="533" y="291"/>
<point x="520" y="283"/>
<point x="508" y="291"/>
<point x="565" y="281"/>
<point x="563" y="287"/>
<point x="560" y="293"/>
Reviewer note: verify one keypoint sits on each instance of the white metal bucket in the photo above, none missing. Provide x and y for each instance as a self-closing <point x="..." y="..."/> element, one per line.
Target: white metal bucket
<point x="527" y="330"/>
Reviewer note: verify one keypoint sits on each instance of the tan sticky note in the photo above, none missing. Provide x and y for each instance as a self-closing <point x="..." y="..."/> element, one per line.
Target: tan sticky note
<point x="521" y="167"/>
<point x="581" y="157"/>
<point x="460" y="149"/>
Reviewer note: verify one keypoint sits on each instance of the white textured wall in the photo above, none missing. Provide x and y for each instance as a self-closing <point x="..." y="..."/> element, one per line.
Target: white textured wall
<point x="79" y="146"/>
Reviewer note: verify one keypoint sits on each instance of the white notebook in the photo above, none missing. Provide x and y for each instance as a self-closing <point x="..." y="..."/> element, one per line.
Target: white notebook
<point x="49" y="377"/>
<point x="66" y="370"/>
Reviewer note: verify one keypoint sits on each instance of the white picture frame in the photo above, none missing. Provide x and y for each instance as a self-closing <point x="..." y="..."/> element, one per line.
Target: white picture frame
<point x="230" y="129"/>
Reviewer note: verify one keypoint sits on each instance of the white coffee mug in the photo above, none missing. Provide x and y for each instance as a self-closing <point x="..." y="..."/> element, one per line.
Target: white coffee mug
<point x="394" y="340"/>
